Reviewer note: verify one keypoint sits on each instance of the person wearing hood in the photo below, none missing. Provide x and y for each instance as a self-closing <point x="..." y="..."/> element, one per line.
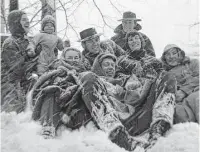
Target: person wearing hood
<point x="129" y="24"/>
<point x="49" y="42"/>
<point x="152" y="112"/>
<point x="186" y="71"/>
<point x="14" y="63"/>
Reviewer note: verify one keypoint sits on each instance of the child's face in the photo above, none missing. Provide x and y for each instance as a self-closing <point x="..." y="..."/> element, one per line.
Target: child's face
<point x="49" y="28"/>
<point x="72" y="57"/>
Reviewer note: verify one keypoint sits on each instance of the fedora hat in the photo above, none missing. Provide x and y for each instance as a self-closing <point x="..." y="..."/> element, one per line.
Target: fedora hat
<point x="129" y="15"/>
<point x="88" y="34"/>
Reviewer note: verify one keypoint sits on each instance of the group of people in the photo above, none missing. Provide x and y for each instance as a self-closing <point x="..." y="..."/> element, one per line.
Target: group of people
<point x="118" y="83"/>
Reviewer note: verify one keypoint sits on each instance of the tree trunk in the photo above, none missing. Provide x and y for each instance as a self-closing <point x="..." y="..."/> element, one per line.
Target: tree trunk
<point x="14" y="5"/>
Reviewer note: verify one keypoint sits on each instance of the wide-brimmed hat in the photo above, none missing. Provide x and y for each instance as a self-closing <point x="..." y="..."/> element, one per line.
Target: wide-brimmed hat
<point x="88" y="34"/>
<point x="129" y="15"/>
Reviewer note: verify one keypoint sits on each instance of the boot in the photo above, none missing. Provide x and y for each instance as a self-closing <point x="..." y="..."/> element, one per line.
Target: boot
<point x="122" y="138"/>
<point x="48" y="132"/>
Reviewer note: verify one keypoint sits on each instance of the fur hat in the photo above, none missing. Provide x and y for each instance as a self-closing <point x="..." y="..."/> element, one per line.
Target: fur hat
<point x="14" y="24"/>
<point x="96" y="68"/>
<point x="48" y="19"/>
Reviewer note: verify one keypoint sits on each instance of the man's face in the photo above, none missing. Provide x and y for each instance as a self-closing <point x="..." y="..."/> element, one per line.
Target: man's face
<point x="25" y="23"/>
<point x="108" y="67"/>
<point x="134" y="42"/>
<point x="93" y="45"/>
<point x="173" y="57"/>
<point x="128" y="25"/>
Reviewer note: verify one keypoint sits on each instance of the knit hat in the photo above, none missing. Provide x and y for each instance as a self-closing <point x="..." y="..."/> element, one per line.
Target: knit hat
<point x="14" y="24"/>
<point x="96" y="68"/>
<point x="48" y="19"/>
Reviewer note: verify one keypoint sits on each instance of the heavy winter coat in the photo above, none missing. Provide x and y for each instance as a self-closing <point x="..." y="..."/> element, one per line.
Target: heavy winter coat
<point x="187" y="72"/>
<point x="120" y="39"/>
<point x="48" y="43"/>
<point x="125" y="95"/>
<point x="14" y="66"/>
<point x="187" y="76"/>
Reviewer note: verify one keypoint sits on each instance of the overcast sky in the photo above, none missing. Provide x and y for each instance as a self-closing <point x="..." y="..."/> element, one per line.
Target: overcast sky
<point x="163" y="21"/>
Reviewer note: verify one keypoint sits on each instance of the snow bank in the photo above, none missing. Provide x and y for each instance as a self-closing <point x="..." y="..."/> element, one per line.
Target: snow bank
<point x="21" y="134"/>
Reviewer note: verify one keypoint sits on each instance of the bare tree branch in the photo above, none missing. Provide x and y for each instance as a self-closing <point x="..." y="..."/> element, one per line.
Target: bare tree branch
<point x="115" y="7"/>
<point x="102" y="16"/>
<point x="67" y="22"/>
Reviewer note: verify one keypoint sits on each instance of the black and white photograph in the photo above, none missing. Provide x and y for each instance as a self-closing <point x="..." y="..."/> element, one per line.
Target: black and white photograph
<point x="100" y="75"/>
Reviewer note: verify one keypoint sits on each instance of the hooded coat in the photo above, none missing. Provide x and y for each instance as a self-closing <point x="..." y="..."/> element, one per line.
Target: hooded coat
<point x="187" y="72"/>
<point x="187" y="76"/>
<point x="14" y="64"/>
<point x="125" y="95"/>
<point x="120" y="39"/>
<point x="48" y="43"/>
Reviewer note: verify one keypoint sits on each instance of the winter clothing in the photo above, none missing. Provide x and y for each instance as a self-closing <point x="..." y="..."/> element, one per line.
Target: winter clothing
<point x="120" y="39"/>
<point x="48" y="43"/>
<point x="59" y="98"/>
<point x="15" y="66"/>
<point x="100" y="105"/>
<point x="111" y="47"/>
<point x="149" y="99"/>
<point x="15" y="27"/>
<point x="48" y="19"/>
<point x="187" y="76"/>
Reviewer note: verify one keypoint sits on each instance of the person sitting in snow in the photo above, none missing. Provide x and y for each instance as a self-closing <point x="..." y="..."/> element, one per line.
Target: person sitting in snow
<point x="153" y="111"/>
<point x="49" y="42"/>
<point x="130" y="24"/>
<point x="16" y="63"/>
<point x="54" y="89"/>
<point x="186" y="71"/>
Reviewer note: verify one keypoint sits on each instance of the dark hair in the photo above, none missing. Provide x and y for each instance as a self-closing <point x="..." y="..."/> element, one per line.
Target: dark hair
<point x="133" y="34"/>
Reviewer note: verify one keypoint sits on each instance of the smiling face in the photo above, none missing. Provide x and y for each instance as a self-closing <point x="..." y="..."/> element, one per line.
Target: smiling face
<point x="128" y="25"/>
<point x="108" y="67"/>
<point x="49" y="28"/>
<point x="134" y="42"/>
<point x="173" y="57"/>
<point x="93" y="45"/>
<point x="73" y="57"/>
<point x="24" y="21"/>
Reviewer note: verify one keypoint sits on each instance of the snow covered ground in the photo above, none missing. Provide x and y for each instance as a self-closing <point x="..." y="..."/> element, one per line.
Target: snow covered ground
<point x="20" y="134"/>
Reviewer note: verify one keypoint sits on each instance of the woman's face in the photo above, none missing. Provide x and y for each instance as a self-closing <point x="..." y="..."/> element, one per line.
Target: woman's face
<point x="173" y="57"/>
<point x="49" y="28"/>
<point x="134" y="42"/>
<point x="108" y="66"/>
<point x="24" y="21"/>
<point x="72" y="57"/>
